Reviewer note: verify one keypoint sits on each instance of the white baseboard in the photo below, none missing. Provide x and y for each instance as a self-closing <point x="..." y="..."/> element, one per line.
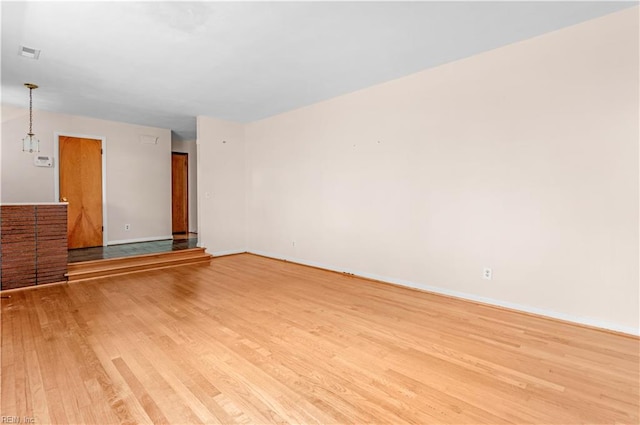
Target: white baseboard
<point x="230" y="252"/>
<point x="597" y="323"/>
<point x="149" y="239"/>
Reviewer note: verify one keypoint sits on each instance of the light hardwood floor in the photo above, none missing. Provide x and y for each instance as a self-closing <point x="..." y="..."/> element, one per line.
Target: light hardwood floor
<point x="253" y="340"/>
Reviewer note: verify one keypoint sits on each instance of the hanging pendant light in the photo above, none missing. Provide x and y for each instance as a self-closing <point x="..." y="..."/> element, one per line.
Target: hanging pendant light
<point x="30" y="143"/>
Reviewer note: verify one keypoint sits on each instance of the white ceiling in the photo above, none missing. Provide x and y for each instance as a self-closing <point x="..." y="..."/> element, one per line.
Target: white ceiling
<point x="163" y="63"/>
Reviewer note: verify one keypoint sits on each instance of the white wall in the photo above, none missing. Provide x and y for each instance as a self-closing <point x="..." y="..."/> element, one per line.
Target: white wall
<point x="138" y="175"/>
<point x="221" y="186"/>
<point x="189" y="147"/>
<point x="523" y="159"/>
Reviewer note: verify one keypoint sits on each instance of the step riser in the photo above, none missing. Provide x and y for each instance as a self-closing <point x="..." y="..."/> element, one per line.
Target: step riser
<point x="118" y="266"/>
<point x="122" y="261"/>
<point x="202" y="262"/>
<point x="133" y="267"/>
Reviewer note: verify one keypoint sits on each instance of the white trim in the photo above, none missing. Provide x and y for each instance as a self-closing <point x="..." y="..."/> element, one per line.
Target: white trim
<point x="34" y="203"/>
<point x="223" y="253"/>
<point x="148" y="239"/>
<point x="466" y="296"/>
<point x="199" y="185"/>
<point x="56" y="173"/>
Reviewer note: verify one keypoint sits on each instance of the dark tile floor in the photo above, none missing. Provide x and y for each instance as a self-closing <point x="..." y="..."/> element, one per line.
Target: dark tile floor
<point x="131" y="249"/>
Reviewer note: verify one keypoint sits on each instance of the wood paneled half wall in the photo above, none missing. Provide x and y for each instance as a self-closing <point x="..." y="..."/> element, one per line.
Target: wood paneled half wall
<point x="33" y="244"/>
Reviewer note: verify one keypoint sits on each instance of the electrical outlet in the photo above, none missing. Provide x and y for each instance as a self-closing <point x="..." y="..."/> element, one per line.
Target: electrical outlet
<point x="487" y="273"/>
<point x="127" y="227"/>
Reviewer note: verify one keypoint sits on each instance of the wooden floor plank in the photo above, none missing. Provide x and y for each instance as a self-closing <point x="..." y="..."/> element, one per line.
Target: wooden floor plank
<point x="252" y="340"/>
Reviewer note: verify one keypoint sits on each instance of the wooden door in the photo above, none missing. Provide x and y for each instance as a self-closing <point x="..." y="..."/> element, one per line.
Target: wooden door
<point x="80" y="163"/>
<point x="179" y="192"/>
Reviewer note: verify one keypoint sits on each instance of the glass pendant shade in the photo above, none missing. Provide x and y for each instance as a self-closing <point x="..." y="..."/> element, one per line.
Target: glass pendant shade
<point x="30" y="144"/>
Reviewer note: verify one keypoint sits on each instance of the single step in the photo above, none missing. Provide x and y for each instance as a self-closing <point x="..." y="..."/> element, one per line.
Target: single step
<point x="95" y="269"/>
<point x="113" y="262"/>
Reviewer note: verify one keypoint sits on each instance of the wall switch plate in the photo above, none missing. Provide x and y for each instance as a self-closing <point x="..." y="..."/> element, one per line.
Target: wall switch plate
<point x="487" y="273"/>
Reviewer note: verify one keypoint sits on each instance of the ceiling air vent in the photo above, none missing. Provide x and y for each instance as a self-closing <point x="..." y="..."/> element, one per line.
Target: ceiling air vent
<point x="29" y="52"/>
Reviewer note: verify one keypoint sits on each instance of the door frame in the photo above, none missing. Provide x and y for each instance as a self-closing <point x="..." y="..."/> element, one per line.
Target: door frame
<point x="56" y="172"/>
<point x="186" y="191"/>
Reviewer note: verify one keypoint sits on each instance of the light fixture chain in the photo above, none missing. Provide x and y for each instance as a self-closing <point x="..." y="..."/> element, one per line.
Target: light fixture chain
<point x="30" y="111"/>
